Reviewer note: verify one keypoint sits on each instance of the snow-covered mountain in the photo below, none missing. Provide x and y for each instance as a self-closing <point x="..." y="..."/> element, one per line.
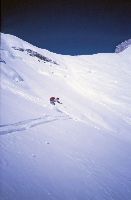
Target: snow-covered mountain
<point x="124" y="45"/>
<point x="77" y="150"/>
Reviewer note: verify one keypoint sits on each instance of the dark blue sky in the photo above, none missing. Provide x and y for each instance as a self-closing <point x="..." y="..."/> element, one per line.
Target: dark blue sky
<point x="69" y="27"/>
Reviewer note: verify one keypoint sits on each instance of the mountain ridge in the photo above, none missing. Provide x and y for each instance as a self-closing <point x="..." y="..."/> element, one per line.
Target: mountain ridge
<point x="119" y="48"/>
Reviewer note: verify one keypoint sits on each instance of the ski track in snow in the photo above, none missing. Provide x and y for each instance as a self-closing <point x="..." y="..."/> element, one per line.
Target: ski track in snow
<point x="30" y="123"/>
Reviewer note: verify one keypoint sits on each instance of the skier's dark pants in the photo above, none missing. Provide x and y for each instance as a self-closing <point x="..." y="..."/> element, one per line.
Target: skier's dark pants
<point x="52" y="102"/>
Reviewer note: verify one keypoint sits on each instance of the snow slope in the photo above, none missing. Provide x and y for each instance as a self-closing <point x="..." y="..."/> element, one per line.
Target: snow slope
<point x="80" y="150"/>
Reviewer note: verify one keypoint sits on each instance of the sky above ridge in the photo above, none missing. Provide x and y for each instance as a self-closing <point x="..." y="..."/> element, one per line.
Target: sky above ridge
<point x="69" y="26"/>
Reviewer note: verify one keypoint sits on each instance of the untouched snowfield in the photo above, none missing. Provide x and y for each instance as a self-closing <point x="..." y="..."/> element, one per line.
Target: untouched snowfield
<point x="77" y="150"/>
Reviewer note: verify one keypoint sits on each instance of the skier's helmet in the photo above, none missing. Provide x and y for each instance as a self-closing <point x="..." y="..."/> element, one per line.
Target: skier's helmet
<point x="52" y="98"/>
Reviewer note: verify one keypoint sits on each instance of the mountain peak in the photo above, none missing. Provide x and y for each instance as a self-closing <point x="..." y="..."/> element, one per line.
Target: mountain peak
<point x="122" y="46"/>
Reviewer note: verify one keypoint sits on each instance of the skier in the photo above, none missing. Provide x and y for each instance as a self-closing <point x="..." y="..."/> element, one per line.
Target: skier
<point x="53" y="100"/>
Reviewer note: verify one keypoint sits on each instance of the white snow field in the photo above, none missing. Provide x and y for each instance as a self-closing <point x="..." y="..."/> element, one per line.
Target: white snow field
<point x="78" y="150"/>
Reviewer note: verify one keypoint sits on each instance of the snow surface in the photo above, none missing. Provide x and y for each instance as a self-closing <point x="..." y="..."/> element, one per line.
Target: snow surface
<point x="78" y="150"/>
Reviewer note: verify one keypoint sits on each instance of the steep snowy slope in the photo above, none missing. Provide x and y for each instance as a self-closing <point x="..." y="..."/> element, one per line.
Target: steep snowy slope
<point x="78" y="150"/>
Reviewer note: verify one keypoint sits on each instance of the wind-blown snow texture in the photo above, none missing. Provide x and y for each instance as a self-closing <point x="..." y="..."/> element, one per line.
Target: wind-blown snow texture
<point x="80" y="150"/>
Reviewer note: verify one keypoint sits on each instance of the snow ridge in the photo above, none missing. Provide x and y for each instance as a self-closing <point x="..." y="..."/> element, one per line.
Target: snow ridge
<point x="124" y="45"/>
